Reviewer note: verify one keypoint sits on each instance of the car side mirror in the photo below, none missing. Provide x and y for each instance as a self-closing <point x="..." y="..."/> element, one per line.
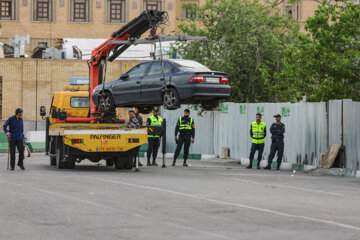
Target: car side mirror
<point x="42" y="111"/>
<point x="124" y="76"/>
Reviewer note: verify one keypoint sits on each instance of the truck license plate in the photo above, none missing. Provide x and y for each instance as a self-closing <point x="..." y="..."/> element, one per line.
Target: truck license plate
<point x="212" y="80"/>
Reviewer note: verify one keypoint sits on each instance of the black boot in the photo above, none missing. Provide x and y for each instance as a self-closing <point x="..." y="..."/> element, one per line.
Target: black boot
<point x="258" y="166"/>
<point x="140" y="164"/>
<point x="148" y="163"/>
<point x="154" y="163"/>
<point x="184" y="164"/>
<point x="250" y="165"/>
<point x="174" y="162"/>
<point x="268" y="167"/>
<point x="278" y="166"/>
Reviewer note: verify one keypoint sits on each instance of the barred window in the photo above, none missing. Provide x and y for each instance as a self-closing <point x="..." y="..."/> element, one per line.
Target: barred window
<point x="152" y="5"/>
<point x="80" y="10"/>
<point x="116" y="11"/>
<point x="189" y="8"/>
<point x="7" y="9"/>
<point x="43" y="10"/>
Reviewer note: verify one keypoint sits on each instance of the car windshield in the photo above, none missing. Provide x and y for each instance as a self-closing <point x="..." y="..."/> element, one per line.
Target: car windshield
<point x="186" y="65"/>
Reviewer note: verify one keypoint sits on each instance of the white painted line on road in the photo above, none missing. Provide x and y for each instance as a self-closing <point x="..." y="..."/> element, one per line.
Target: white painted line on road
<point x="76" y="199"/>
<point x="338" y="224"/>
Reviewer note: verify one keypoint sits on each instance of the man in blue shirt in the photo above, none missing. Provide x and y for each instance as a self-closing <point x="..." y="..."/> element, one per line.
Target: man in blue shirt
<point x="16" y="135"/>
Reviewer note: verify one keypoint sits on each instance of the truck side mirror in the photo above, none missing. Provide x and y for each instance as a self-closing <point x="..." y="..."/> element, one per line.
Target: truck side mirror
<point x="42" y="111"/>
<point x="124" y="76"/>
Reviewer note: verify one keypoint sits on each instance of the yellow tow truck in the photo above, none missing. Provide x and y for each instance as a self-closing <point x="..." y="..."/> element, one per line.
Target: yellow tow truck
<point x="77" y="130"/>
<point x="68" y="143"/>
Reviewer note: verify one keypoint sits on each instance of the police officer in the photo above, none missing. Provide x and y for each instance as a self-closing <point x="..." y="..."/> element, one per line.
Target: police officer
<point x="277" y="130"/>
<point x="153" y="140"/>
<point x="258" y="134"/>
<point x="186" y="126"/>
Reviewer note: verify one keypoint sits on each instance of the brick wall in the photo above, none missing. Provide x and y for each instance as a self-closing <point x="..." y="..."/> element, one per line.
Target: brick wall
<point x="30" y="83"/>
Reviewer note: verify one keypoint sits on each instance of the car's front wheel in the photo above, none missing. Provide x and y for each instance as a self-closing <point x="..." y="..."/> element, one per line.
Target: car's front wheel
<point x="106" y="102"/>
<point x="171" y="99"/>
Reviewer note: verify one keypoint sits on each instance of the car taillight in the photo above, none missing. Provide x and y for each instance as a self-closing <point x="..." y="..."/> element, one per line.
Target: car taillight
<point x="197" y="79"/>
<point x="224" y="80"/>
<point x="74" y="141"/>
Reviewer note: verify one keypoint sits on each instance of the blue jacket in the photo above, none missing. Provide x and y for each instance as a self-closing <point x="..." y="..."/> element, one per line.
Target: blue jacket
<point x="16" y="128"/>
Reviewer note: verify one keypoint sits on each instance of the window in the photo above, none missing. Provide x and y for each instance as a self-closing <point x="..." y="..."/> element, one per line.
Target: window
<point x="185" y="65"/>
<point x="80" y="10"/>
<point x="138" y="71"/>
<point x="7" y="9"/>
<point x="80" y="102"/>
<point x="289" y="11"/>
<point x="43" y="10"/>
<point x="116" y="11"/>
<point x="152" y="5"/>
<point x="189" y="10"/>
<point x="156" y="68"/>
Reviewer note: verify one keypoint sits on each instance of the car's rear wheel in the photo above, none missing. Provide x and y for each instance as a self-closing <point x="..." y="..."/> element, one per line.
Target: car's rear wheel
<point x="171" y="99"/>
<point x="210" y="105"/>
<point x="106" y="102"/>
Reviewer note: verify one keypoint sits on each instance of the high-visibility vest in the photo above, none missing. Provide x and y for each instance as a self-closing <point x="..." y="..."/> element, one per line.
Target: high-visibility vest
<point x="258" y="132"/>
<point x="155" y="122"/>
<point x="186" y="125"/>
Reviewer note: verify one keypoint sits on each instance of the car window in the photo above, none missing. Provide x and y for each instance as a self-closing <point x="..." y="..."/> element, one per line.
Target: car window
<point x="138" y="70"/>
<point x="156" y="68"/>
<point x="80" y="102"/>
<point x="188" y="65"/>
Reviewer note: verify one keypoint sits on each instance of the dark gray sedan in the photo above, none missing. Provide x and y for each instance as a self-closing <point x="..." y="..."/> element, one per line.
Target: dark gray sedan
<point x="167" y="82"/>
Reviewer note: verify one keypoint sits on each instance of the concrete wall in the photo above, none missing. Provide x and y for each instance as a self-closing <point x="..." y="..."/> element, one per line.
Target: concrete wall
<point x="31" y="83"/>
<point x="310" y="128"/>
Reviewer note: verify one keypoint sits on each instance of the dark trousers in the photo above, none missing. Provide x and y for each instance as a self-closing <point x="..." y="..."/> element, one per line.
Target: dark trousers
<point x="259" y="148"/>
<point x="186" y="141"/>
<point x="153" y="147"/>
<point x="135" y="154"/>
<point x="19" y="144"/>
<point x="278" y="147"/>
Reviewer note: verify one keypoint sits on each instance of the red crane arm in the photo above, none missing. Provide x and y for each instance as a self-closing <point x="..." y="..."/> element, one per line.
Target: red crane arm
<point x="134" y="29"/>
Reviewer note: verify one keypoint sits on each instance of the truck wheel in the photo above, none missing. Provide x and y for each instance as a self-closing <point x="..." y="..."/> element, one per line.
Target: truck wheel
<point x="109" y="163"/>
<point x="52" y="161"/>
<point x="129" y="162"/>
<point x="71" y="162"/>
<point x="120" y="162"/>
<point x="60" y="158"/>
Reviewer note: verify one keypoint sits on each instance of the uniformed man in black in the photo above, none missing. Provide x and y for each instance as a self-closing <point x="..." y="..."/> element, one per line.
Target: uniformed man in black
<point x="277" y="130"/>
<point x="186" y="126"/>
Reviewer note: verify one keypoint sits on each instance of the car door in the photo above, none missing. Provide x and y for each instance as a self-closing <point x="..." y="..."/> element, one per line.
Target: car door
<point x="128" y="90"/>
<point x="152" y="84"/>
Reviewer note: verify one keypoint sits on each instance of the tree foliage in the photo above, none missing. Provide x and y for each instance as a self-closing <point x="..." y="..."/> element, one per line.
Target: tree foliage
<point x="325" y="63"/>
<point x="246" y="39"/>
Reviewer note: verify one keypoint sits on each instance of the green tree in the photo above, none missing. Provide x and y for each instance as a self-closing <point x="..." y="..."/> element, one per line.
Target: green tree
<point x="246" y="39"/>
<point x="324" y="64"/>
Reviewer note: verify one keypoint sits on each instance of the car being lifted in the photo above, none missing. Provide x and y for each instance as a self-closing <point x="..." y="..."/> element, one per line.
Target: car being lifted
<point x="168" y="82"/>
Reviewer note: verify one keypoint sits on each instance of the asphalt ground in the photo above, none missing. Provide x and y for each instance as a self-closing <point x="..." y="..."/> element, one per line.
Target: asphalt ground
<point x="214" y="199"/>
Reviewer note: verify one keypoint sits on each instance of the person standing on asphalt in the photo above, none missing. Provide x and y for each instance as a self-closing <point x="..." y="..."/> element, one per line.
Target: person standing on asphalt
<point x="277" y="130"/>
<point x="138" y="117"/>
<point x="153" y="140"/>
<point x="16" y="135"/>
<point x="186" y="126"/>
<point x="258" y="134"/>
<point x="134" y="122"/>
